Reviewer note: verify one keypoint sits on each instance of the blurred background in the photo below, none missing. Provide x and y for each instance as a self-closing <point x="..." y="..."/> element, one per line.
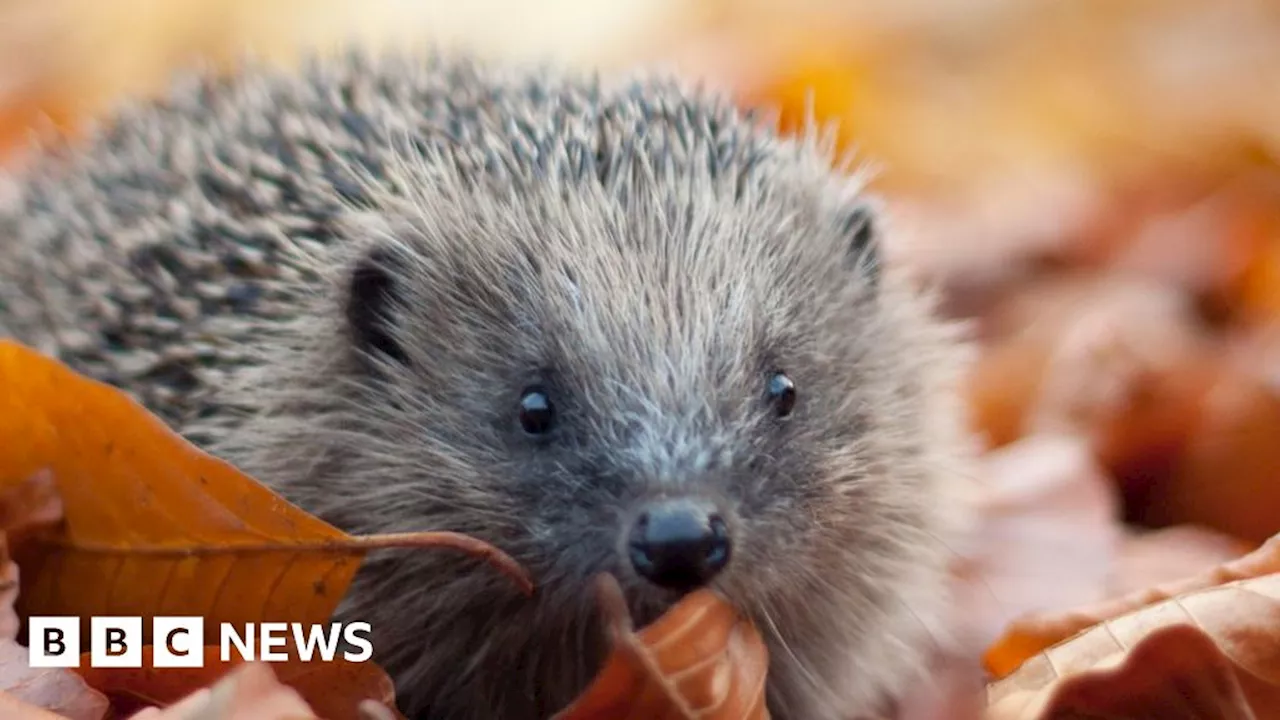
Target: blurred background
<point x="1095" y="183"/>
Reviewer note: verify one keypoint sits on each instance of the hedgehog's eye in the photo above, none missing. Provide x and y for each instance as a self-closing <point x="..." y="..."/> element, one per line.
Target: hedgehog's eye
<point x="537" y="414"/>
<point x="782" y="393"/>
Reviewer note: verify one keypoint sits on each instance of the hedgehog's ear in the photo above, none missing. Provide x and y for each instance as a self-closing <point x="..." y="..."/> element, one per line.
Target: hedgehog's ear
<point x="859" y="225"/>
<point x="372" y="299"/>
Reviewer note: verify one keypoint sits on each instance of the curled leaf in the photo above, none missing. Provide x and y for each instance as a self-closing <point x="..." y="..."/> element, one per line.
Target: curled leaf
<point x="154" y="526"/>
<point x="1175" y="673"/>
<point x="700" y="661"/>
<point x="1029" y="635"/>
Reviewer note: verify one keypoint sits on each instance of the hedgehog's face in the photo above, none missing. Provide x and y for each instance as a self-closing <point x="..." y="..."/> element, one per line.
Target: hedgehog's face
<point x="723" y="398"/>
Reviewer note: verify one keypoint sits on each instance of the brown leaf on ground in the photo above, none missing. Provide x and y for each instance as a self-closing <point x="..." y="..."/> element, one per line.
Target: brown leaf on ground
<point x="1176" y="672"/>
<point x="157" y="527"/>
<point x="1218" y="587"/>
<point x="700" y="661"/>
<point x="249" y="692"/>
<point x="333" y="689"/>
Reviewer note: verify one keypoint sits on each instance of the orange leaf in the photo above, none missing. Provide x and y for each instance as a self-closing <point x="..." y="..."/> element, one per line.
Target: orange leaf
<point x="156" y="527"/>
<point x="1174" y="673"/>
<point x="701" y="660"/>
<point x="334" y="689"/>
<point x="1030" y="635"/>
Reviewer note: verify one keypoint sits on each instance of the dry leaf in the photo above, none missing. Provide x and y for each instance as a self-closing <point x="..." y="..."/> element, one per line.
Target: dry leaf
<point x="1030" y="635"/>
<point x="156" y="527"/>
<point x="700" y="661"/>
<point x="1174" y="673"/>
<point x="334" y="690"/>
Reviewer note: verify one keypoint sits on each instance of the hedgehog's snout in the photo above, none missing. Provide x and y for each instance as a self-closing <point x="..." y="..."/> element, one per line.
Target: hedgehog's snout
<point x="679" y="544"/>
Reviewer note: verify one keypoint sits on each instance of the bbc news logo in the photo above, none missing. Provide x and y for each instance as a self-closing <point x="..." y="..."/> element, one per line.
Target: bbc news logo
<point x="116" y="642"/>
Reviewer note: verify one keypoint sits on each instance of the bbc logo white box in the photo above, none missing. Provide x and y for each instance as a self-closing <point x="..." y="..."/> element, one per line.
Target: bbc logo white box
<point x="116" y="642"/>
<point x="54" y="642"/>
<point x="177" y="642"/>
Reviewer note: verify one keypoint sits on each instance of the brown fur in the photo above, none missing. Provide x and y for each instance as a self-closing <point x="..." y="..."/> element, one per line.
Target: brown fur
<point x="641" y="248"/>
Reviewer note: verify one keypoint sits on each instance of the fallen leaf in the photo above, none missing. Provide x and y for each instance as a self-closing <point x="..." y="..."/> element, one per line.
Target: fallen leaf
<point x="156" y="527"/>
<point x="700" y="661"/>
<point x="249" y="692"/>
<point x="1030" y="635"/>
<point x="1174" y="673"/>
<point x="333" y="689"/>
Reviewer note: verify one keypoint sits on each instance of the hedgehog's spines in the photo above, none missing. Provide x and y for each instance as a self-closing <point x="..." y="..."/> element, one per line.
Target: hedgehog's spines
<point x="646" y="244"/>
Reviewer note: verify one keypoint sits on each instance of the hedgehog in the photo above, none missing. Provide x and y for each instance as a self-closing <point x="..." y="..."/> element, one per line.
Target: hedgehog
<point x="608" y="323"/>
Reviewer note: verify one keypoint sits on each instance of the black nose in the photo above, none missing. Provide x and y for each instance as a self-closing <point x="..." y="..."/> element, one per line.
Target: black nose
<point x="679" y="545"/>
